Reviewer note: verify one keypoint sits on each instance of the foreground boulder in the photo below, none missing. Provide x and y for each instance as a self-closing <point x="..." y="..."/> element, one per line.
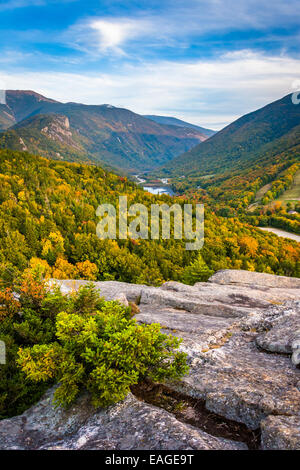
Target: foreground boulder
<point x="128" y="425"/>
<point x="220" y="299"/>
<point x="242" y="383"/>
<point x="283" y="337"/>
<point x="240" y="331"/>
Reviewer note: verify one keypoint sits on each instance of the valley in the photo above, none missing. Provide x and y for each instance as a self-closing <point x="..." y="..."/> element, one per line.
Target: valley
<point x="226" y="344"/>
<point x="250" y="169"/>
<point x="156" y="188"/>
<point x="98" y="134"/>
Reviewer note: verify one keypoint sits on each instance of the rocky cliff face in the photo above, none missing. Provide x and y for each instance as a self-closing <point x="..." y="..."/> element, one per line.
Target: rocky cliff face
<point x="58" y="130"/>
<point x="241" y="331"/>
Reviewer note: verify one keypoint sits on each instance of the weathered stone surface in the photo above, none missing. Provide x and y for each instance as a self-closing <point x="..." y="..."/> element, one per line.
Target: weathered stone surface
<point x="130" y="424"/>
<point x="204" y="302"/>
<point x="43" y="423"/>
<point x="263" y="320"/>
<point x="183" y="321"/>
<point x="241" y="383"/>
<point x="122" y="299"/>
<point x="241" y="277"/>
<point x="197" y="331"/>
<point x="283" y="334"/>
<point x="239" y="331"/>
<point x="214" y="299"/>
<point x="296" y="349"/>
<point x="108" y="289"/>
<point x="206" y="298"/>
<point x="280" y="433"/>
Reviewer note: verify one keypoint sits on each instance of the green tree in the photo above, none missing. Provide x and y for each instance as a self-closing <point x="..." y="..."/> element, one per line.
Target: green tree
<point x="198" y="271"/>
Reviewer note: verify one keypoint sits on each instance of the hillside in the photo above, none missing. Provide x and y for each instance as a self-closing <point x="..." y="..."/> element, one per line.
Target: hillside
<point x="47" y="211"/>
<point x="105" y="134"/>
<point x="7" y="118"/>
<point x="245" y="142"/>
<point x="246" y="167"/>
<point x="171" y="121"/>
<point x="48" y="135"/>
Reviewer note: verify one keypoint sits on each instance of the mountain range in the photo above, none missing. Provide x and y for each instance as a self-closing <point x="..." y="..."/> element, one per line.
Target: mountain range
<point x="246" y="142"/>
<point x="265" y="141"/>
<point x="172" y="121"/>
<point x="92" y="133"/>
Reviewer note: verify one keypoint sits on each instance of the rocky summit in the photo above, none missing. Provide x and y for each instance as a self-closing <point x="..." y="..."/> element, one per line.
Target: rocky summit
<point x="241" y="331"/>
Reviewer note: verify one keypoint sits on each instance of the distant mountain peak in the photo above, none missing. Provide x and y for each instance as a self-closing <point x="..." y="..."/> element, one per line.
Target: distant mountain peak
<point x="30" y="93"/>
<point x="245" y="140"/>
<point x="99" y="133"/>
<point x="173" y="121"/>
<point x="23" y="103"/>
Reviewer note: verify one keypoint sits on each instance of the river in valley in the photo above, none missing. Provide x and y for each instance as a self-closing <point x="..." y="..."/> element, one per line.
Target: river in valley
<point x="156" y="189"/>
<point x="159" y="190"/>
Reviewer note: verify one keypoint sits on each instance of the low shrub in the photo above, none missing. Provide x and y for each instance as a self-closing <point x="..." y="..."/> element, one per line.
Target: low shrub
<point x="99" y="347"/>
<point x="80" y="342"/>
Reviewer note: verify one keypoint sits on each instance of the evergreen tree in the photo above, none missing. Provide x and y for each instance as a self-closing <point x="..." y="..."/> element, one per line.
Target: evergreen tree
<point x="198" y="271"/>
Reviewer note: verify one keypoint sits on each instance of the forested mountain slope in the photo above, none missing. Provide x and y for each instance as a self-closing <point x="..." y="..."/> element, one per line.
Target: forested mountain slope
<point x="7" y="118"/>
<point x="246" y="167"/>
<point x="47" y="217"/>
<point x="260" y="134"/>
<point x="104" y="133"/>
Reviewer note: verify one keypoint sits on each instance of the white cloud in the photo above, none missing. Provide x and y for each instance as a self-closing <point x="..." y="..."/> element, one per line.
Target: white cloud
<point x="209" y="93"/>
<point x="180" y="24"/>
<point x="113" y="33"/>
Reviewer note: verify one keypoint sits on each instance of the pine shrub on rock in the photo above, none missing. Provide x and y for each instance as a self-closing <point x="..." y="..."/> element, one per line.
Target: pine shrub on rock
<point x="100" y="348"/>
<point x="27" y="318"/>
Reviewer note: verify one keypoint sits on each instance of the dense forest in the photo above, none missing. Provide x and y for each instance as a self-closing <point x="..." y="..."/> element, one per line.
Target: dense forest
<point x="236" y="193"/>
<point x="48" y="229"/>
<point x="244" y="169"/>
<point x="48" y="223"/>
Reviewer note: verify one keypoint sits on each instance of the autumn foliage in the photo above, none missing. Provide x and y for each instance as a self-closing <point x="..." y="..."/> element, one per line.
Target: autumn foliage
<point x="48" y="226"/>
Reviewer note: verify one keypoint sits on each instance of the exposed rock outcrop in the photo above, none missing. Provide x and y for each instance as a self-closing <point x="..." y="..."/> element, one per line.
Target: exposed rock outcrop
<point x="284" y="333"/>
<point x="240" y="331"/>
<point x="206" y="298"/>
<point x="259" y="280"/>
<point x="130" y="424"/>
<point x="58" y="128"/>
<point x="122" y="299"/>
<point x="281" y="433"/>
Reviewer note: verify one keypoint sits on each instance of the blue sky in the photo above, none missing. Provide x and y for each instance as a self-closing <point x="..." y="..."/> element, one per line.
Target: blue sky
<point x="206" y="61"/>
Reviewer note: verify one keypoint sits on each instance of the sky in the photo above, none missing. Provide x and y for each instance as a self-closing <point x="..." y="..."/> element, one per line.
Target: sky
<point x="205" y="61"/>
